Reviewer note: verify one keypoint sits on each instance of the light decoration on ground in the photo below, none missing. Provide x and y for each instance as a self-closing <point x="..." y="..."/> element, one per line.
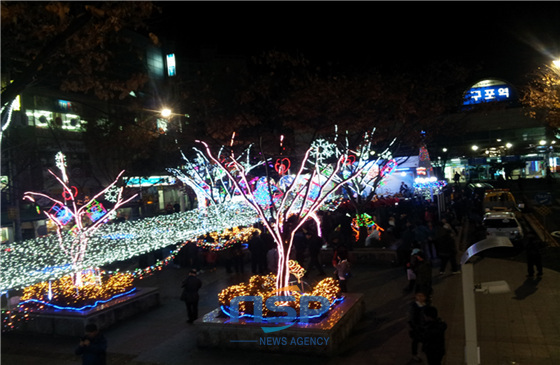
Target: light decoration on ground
<point x="363" y="220"/>
<point x="81" y="221"/>
<point x="264" y="286"/>
<point x="63" y="294"/>
<point x="39" y="260"/>
<point x="299" y="203"/>
<point x="11" y="319"/>
<point x="219" y="241"/>
<point x="296" y="269"/>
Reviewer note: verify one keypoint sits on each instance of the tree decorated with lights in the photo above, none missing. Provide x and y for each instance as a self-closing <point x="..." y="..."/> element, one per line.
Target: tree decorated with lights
<point x="374" y="168"/>
<point x="208" y="179"/>
<point x="541" y="96"/>
<point x="284" y="207"/>
<point x="76" y="223"/>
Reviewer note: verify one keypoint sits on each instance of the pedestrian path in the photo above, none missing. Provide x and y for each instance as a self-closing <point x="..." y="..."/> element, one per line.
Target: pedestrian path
<point x="520" y="327"/>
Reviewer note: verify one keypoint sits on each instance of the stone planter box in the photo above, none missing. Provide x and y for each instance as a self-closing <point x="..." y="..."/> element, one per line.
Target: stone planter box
<point x="72" y="323"/>
<point x="322" y="338"/>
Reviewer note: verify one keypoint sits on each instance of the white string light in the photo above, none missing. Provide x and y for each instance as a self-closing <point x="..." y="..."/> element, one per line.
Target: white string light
<point x="37" y="260"/>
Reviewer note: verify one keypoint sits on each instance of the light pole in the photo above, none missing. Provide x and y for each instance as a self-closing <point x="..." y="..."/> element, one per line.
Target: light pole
<point x="472" y="354"/>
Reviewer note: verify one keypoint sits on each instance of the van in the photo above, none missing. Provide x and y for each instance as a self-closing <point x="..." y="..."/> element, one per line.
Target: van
<point x="503" y="224"/>
<point x="499" y="200"/>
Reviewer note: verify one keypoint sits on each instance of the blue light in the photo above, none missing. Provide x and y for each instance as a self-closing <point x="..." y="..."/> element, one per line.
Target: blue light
<point x="171" y="70"/>
<point x="278" y="319"/>
<point x="485" y="94"/>
<point x="89" y="306"/>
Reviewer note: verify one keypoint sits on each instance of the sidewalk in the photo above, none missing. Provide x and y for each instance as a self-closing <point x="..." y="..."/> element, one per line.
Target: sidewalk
<point x="521" y="327"/>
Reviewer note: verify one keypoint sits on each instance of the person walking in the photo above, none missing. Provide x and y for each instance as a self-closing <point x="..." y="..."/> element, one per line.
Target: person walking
<point x="433" y="336"/>
<point x="422" y="269"/>
<point x="300" y="246"/>
<point x="447" y="251"/>
<point x="456" y="178"/>
<point x="534" y="257"/>
<point x="258" y="253"/>
<point x="314" y="244"/>
<point x="92" y="347"/>
<point x="342" y="271"/>
<point x="190" y="296"/>
<point x="416" y="322"/>
<point x="238" y="258"/>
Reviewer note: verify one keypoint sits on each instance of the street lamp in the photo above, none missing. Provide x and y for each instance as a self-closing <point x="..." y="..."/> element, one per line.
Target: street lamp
<point x="166" y="113"/>
<point x="472" y="353"/>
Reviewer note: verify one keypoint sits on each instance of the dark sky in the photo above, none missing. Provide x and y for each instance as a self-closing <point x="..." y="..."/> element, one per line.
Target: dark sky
<point x="506" y="38"/>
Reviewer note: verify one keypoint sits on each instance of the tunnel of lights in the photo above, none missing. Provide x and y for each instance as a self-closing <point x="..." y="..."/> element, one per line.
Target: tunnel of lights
<point x="40" y="260"/>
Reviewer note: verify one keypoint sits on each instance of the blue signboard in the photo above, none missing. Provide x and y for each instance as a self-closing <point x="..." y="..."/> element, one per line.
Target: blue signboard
<point x="485" y="94"/>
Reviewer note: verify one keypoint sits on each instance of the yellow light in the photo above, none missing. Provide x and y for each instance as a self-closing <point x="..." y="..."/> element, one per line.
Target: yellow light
<point x="166" y="113"/>
<point x="265" y="287"/>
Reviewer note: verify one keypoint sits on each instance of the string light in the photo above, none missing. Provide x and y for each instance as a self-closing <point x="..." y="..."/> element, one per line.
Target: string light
<point x="264" y="286"/>
<point x="39" y="260"/>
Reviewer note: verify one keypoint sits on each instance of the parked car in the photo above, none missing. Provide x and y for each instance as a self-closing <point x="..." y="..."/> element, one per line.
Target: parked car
<point x="477" y="188"/>
<point x="503" y="224"/>
<point x="499" y="200"/>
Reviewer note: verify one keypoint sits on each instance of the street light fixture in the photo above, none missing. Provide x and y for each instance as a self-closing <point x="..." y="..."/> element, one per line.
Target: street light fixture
<point x="166" y="113"/>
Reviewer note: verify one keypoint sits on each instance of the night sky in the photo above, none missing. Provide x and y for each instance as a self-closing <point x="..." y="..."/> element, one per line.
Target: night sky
<point x="505" y="39"/>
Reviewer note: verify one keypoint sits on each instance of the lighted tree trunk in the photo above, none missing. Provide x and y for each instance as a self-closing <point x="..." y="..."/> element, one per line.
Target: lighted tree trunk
<point x="84" y="220"/>
<point x="290" y="208"/>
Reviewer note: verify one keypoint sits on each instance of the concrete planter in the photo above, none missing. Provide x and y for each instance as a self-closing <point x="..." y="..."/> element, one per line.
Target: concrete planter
<point x="322" y="338"/>
<point x="72" y="323"/>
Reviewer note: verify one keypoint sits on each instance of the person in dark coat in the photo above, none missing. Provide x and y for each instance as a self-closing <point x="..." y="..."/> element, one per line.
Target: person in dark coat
<point x="416" y="322"/>
<point x="92" y="347"/>
<point x="300" y="245"/>
<point x="433" y="336"/>
<point x="534" y="258"/>
<point x="238" y="258"/>
<point x="314" y="243"/>
<point x="422" y="269"/>
<point x="447" y="251"/>
<point x="190" y="296"/>
<point x="258" y="253"/>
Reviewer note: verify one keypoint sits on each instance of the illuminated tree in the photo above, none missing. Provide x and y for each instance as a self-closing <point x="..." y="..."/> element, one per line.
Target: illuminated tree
<point x="542" y="95"/>
<point x="76" y="222"/>
<point x="374" y="158"/>
<point x="284" y="207"/>
<point x="209" y="180"/>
